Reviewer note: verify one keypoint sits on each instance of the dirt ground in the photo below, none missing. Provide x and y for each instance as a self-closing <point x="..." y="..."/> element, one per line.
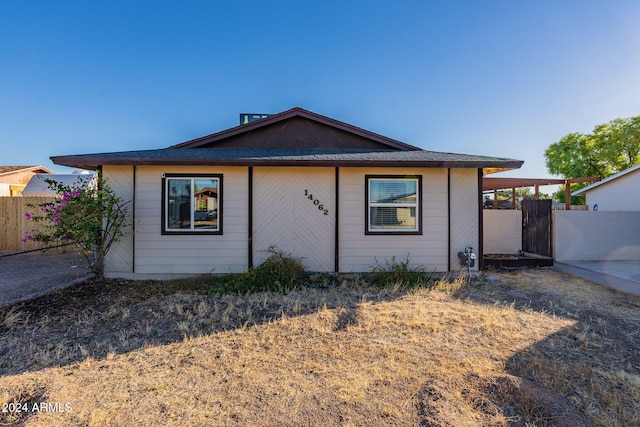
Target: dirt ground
<point x="567" y="353"/>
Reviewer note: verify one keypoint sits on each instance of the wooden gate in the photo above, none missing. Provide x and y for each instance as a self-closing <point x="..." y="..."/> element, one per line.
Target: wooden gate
<point x="536" y="227"/>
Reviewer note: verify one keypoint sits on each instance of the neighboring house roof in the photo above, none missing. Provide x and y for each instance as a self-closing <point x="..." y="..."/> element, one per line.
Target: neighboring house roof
<point x="396" y="199"/>
<point x="606" y="180"/>
<point x="207" y="191"/>
<point x="6" y="170"/>
<point x="296" y="137"/>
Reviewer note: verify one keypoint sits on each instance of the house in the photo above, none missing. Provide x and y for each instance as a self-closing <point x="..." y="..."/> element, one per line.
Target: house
<point x="619" y="192"/>
<point x="13" y="179"/>
<point x="338" y="197"/>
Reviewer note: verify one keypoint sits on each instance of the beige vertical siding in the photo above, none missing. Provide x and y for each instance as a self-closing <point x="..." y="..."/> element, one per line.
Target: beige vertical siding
<point x="286" y="217"/>
<point x="359" y="252"/>
<point x="120" y="256"/>
<point x="464" y="214"/>
<point x="283" y="216"/>
<point x="165" y="256"/>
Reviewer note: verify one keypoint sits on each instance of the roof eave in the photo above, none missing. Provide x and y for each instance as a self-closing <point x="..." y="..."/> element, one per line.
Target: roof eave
<point x="91" y="163"/>
<point x="607" y="180"/>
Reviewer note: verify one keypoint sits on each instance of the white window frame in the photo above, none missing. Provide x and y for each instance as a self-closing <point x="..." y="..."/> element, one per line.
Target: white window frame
<point x="369" y="179"/>
<point x="192" y="222"/>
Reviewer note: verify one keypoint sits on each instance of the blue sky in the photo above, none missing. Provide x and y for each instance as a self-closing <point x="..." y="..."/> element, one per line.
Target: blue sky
<point x="501" y="78"/>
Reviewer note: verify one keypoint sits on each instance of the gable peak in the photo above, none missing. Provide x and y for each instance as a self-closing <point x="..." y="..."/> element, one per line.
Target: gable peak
<point x="248" y="133"/>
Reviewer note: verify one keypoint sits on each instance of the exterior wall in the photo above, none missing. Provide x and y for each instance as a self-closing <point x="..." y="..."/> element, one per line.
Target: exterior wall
<point x="464" y="215"/>
<point x="119" y="260"/>
<point x="621" y="194"/>
<point x="502" y="232"/>
<point x="166" y="256"/>
<point x="287" y="214"/>
<point x="278" y="193"/>
<point x="596" y="236"/>
<point x="11" y="185"/>
<point x="358" y="252"/>
<point x="18" y="177"/>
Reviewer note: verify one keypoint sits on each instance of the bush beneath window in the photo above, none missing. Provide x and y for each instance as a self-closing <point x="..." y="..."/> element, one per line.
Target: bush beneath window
<point x="278" y="273"/>
<point x="399" y="274"/>
<point x="282" y="273"/>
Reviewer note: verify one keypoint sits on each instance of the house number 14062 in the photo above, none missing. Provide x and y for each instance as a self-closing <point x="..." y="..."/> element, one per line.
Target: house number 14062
<point x="316" y="202"/>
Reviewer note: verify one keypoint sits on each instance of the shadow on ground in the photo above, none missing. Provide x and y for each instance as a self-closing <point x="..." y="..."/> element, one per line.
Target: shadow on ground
<point x="96" y="318"/>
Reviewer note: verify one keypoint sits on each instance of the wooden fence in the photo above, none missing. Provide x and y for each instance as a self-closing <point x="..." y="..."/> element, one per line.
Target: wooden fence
<point x="14" y="223"/>
<point x="573" y="207"/>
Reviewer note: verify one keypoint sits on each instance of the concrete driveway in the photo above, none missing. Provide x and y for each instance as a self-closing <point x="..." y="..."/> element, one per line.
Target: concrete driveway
<point x="27" y="275"/>
<point x="621" y="275"/>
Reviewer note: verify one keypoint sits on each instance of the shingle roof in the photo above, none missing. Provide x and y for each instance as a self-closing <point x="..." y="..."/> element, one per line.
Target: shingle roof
<point x="295" y="137"/>
<point x="285" y="157"/>
<point x="10" y="169"/>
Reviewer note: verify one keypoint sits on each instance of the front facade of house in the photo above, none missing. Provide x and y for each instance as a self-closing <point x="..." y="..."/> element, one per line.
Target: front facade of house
<point x="339" y="198"/>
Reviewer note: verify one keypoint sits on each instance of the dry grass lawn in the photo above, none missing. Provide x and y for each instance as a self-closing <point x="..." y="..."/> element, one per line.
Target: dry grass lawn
<point x="520" y="349"/>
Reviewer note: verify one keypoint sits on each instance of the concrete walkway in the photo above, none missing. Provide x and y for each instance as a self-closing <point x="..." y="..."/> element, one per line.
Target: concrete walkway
<point x="27" y="275"/>
<point x="621" y="275"/>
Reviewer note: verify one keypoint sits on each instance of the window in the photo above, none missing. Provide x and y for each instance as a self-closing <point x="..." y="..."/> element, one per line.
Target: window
<point x="393" y="204"/>
<point x="192" y="204"/>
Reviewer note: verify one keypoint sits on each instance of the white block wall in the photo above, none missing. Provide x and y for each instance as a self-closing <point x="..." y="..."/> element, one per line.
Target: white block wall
<point x="596" y="236"/>
<point x="502" y="232"/>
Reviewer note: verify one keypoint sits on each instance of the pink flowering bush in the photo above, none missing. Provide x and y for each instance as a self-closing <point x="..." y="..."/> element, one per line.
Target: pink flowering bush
<point x="89" y="217"/>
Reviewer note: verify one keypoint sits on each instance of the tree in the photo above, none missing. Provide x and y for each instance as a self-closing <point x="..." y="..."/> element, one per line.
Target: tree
<point x="561" y="194"/>
<point x="504" y="197"/>
<point x="90" y="218"/>
<point x="611" y="148"/>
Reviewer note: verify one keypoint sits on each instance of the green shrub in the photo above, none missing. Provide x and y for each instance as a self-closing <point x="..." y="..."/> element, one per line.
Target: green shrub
<point x="399" y="274"/>
<point x="278" y="273"/>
